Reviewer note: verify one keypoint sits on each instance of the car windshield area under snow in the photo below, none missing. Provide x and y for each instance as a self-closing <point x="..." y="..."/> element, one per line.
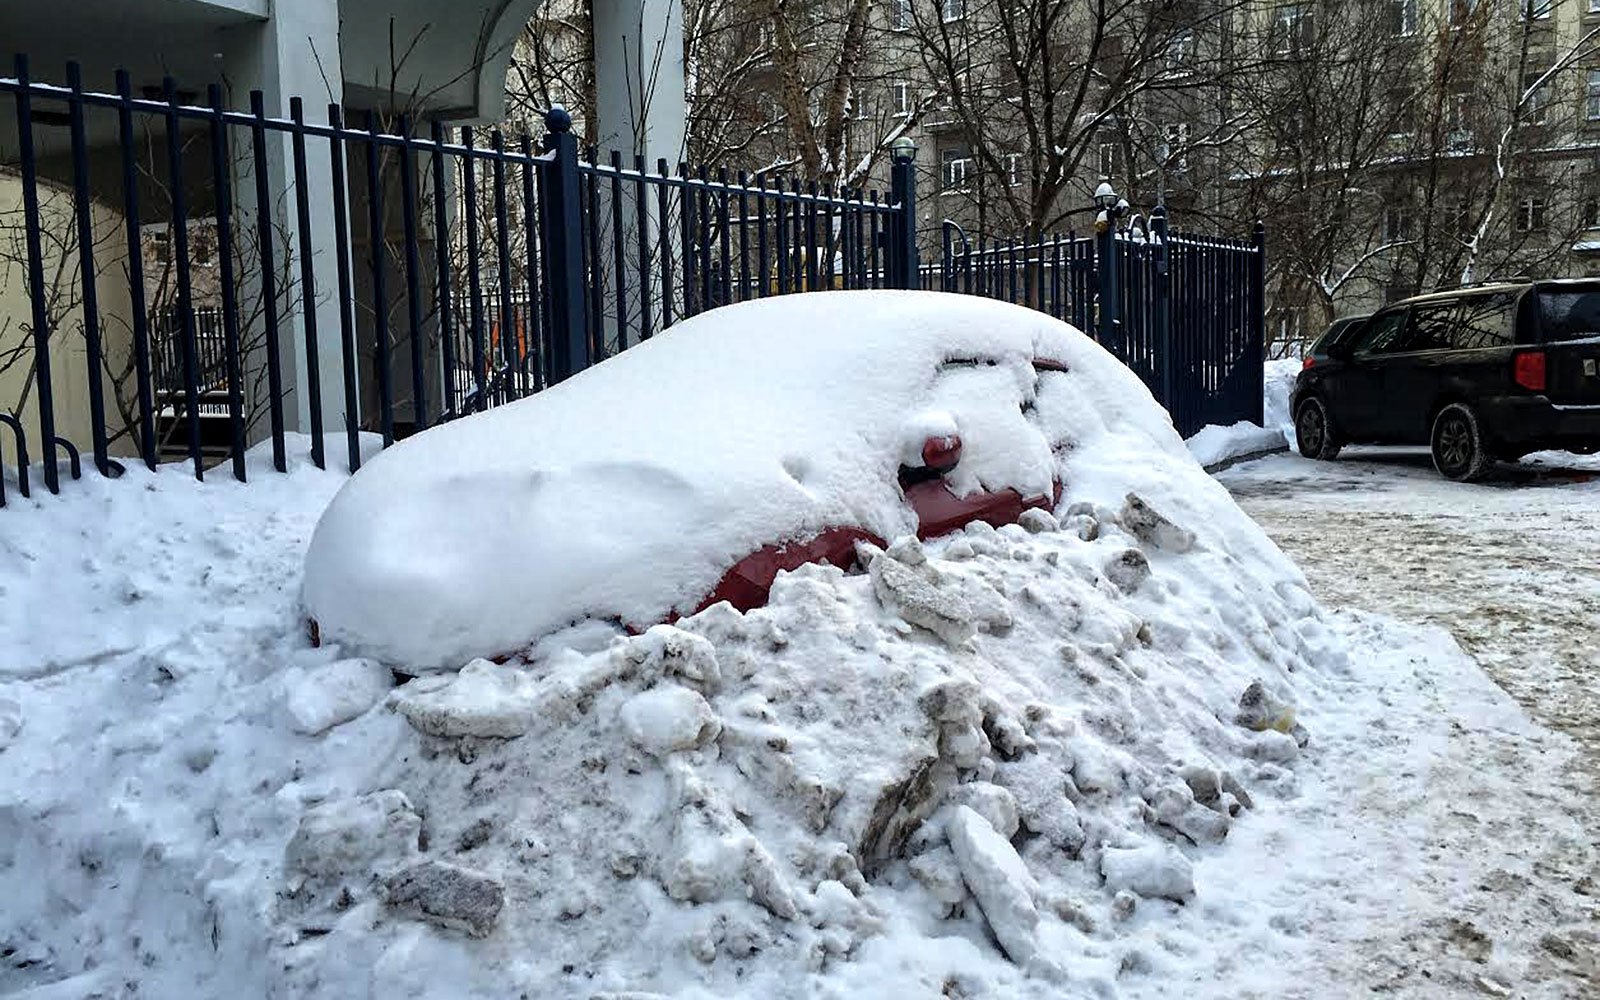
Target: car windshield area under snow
<point x="1569" y="313"/>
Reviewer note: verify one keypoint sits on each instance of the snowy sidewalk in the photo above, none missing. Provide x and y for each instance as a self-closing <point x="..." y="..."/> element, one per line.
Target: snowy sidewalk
<point x="1494" y="818"/>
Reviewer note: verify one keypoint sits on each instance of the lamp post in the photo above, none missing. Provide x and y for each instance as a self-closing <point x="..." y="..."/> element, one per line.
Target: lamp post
<point x="1112" y="207"/>
<point x="903" y="267"/>
<point x="1105" y="196"/>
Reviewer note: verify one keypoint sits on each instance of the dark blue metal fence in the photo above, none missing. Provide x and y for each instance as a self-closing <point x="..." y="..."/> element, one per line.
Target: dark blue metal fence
<point x="466" y="274"/>
<point x="1183" y="311"/>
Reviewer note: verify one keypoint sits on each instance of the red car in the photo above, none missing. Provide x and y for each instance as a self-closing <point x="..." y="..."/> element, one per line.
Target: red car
<point x="693" y="468"/>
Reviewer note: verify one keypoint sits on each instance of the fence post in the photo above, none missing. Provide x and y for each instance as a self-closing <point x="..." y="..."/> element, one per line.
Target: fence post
<point x="1258" y="319"/>
<point x="1161" y="317"/>
<point x="903" y="270"/>
<point x="1108" y="293"/>
<point x="36" y="288"/>
<point x="563" y="249"/>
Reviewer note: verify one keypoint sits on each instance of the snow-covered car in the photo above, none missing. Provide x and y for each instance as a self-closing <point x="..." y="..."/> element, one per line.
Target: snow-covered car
<point x="696" y="466"/>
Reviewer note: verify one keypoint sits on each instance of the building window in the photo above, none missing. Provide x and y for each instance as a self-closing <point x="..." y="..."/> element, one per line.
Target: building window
<point x="1591" y="213"/>
<point x="953" y="10"/>
<point x="1396" y="291"/>
<point x="900" y="14"/>
<point x="1456" y="122"/>
<point x="1108" y="159"/>
<point x="1536" y="10"/>
<point x="1180" y="51"/>
<point x="1594" y="6"/>
<point x="161" y="245"/>
<point x="201" y="250"/>
<point x="1291" y="27"/>
<point x="1396" y="222"/>
<point x="1592" y="102"/>
<point x="1538" y="99"/>
<point x="1014" y="169"/>
<point x="1530" y="214"/>
<point x="1404" y="122"/>
<point x="901" y="95"/>
<point x="1402" y="17"/>
<point x="956" y="165"/>
<point x="1461" y="11"/>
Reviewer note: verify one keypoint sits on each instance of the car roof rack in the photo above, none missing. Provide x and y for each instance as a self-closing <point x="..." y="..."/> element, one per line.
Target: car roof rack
<point x="1513" y="279"/>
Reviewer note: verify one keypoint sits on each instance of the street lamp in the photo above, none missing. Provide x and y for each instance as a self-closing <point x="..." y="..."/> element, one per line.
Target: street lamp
<point x="1105" y="196"/>
<point x="903" y="149"/>
<point x="1112" y="206"/>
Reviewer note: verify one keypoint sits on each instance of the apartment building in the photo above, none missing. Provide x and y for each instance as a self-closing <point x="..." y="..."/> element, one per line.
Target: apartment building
<point x="1409" y="145"/>
<point x="1391" y="146"/>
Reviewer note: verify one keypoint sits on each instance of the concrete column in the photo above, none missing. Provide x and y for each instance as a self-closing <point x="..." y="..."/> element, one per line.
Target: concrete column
<point x="639" y="77"/>
<point x="640" y="93"/>
<point x="294" y="54"/>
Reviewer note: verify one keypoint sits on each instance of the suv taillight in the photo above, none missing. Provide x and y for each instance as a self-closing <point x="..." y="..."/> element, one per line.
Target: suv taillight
<point x="1528" y="370"/>
<point x="1307" y="363"/>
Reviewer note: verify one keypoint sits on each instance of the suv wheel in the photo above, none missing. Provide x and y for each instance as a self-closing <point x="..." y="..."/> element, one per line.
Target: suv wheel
<point x="1459" y="452"/>
<point x="1314" y="432"/>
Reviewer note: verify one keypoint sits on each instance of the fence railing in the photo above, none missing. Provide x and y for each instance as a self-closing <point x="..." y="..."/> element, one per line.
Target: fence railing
<point x="367" y="278"/>
<point x="1182" y="310"/>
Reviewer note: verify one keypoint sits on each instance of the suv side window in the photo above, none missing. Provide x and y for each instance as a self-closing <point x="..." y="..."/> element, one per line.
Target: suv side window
<point x="1432" y="328"/>
<point x="1381" y="334"/>
<point x="1487" y="321"/>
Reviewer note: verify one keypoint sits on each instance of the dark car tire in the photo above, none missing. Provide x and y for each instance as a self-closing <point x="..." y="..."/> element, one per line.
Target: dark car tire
<point x="1315" y="433"/>
<point x="1460" y="452"/>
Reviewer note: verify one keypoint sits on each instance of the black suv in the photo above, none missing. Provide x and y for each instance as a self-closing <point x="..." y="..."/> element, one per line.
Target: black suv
<point x="1479" y="373"/>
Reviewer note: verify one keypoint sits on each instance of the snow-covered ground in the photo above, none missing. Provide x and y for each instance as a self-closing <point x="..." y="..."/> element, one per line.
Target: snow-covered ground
<point x="196" y="803"/>
<point x="1511" y="568"/>
<point x="1121" y="752"/>
<point x="169" y="732"/>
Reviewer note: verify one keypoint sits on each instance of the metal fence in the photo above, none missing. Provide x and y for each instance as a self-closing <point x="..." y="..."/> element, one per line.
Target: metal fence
<point x="1182" y="310"/>
<point x="458" y="274"/>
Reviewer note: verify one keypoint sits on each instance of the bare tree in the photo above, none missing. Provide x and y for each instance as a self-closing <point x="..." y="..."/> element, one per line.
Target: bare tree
<point x="1043" y="97"/>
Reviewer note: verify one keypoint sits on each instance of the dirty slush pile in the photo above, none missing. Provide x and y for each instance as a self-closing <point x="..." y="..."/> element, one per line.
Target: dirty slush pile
<point x="964" y="768"/>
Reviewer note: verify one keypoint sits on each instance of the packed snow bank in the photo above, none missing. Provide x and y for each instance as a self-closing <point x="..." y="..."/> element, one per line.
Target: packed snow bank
<point x="627" y="491"/>
<point x="1214" y="444"/>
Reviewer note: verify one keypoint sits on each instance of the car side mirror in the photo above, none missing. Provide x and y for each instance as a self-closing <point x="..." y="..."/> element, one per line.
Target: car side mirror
<point x="941" y="454"/>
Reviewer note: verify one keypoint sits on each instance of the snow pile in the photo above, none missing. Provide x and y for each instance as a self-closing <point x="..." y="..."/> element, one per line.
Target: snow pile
<point x="1214" y="444"/>
<point x="1007" y="741"/>
<point x="1001" y="763"/>
<point x="1279" y="387"/>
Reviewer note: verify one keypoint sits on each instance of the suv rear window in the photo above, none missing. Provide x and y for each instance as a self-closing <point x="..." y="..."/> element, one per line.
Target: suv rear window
<point x="1569" y="315"/>
<point x="1334" y="334"/>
